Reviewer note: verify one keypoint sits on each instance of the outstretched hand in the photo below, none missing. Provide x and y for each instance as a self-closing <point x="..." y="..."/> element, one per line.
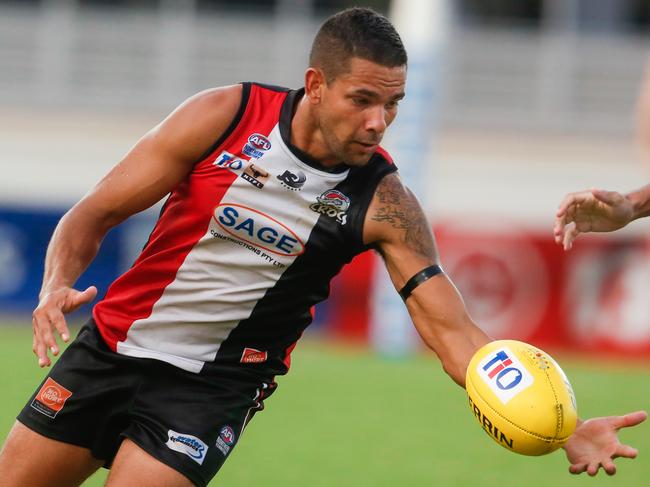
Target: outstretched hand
<point x="595" y="444"/>
<point x="48" y="316"/>
<point x="593" y="210"/>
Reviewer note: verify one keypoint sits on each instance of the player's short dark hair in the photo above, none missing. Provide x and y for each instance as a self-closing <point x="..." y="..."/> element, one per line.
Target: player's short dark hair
<point x="356" y="32"/>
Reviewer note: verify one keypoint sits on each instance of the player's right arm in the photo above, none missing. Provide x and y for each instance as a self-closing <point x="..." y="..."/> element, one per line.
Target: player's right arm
<point x="150" y="170"/>
<point x="597" y="210"/>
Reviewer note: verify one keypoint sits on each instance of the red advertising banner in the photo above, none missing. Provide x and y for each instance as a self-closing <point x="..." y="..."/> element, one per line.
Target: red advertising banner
<point x="518" y="284"/>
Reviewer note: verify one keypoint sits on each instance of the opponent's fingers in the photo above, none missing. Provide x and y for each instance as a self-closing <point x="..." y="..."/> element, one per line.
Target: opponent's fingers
<point x="570" y="233"/>
<point x="558" y="228"/>
<point x="630" y="419"/>
<point x="564" y="224"/>
<point x="607" y="197"/>
<point x="571" y="200"/>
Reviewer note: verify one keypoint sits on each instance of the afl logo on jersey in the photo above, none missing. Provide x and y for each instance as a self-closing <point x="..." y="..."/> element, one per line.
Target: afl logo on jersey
<point x="256" y="146"/>
<point x="258" y="229"/>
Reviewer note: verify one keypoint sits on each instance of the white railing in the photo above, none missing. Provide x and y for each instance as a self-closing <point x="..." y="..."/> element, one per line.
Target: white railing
<point x="113" y="59"/>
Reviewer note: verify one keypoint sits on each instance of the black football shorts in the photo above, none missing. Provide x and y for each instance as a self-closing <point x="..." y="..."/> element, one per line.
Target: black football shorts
<point x="94" y="398"/>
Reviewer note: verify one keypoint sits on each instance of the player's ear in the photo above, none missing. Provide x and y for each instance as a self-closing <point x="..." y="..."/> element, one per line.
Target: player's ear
<point x="314" y="85"/>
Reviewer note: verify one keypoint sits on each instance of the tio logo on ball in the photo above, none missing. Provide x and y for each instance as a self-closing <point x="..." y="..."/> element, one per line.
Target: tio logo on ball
<point x="504" y="374"/>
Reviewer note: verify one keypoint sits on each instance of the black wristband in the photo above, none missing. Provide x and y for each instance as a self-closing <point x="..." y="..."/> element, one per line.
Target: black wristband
<point x="422" y="276"/>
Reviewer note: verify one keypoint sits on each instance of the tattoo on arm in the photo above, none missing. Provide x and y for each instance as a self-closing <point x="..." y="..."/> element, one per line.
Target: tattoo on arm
<point x="398" y="207"/>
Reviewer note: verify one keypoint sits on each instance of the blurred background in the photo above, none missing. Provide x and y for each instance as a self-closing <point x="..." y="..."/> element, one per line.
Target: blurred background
<point x="510" y="105"/>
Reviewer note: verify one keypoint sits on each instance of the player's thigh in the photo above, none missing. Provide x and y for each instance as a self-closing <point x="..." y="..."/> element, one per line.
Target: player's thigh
<point x="134" y="466"/>
<point x="31" y="459"/>
<point x="192" y="422"/>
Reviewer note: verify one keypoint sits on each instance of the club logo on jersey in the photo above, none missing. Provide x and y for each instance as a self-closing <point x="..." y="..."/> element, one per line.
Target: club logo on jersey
<point x="228" y="161"/>
<point x="51" y="398"/>
<point x="334" y="204"/>
<point x="190" y="445"/>
<point x="255" y="175"/>
<point x="504" y="374"/>
<point x="253" y="356"/>
<point x="256" y="146"/>
<point x="292" y="181"/>
<point x="226" y="439"/>
<point x="258" y="229"/>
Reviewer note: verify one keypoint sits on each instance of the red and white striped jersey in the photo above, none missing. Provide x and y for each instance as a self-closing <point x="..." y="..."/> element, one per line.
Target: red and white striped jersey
<point x="243" y="248"/>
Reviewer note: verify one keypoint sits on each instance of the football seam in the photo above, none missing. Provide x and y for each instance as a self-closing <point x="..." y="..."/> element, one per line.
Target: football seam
<point x="558" y="426"/>
<point x="536" y="435"/>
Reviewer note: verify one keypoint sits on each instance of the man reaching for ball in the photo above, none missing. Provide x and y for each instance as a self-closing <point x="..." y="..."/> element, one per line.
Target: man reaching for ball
<point x="271" y="192"/>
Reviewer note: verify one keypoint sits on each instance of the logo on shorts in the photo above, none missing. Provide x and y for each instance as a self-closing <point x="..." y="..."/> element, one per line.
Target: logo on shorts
<point x="51" y="398"/>
<point x="226" y="439"/>
<point x="253" y="356"/>
<point x="256" y="146"/>
<point x="334" y="204"/>
<point x="190" y="445"/>
<point x="292" y="181"/>
<point x="255" y="175"/>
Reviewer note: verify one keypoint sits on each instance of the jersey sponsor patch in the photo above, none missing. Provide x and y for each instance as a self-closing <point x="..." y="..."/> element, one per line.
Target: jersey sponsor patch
<point x="226" y="160"/>
<point x="253" y="356"/>
<point x="190" y="445"/>
<point x="504" y="374"/>
<point x="255" y="175"/>
<point x="51" y="398"/>
<point x="332" y="203"/>
<point x="226" y="440"/>
<point x="292" y="181"/>
<point x="258" y="229"/>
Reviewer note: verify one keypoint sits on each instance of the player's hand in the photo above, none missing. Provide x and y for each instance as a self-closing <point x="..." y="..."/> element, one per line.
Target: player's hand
<point x="593" y="210"/>
<point x="48" y="317"/>
<point x="594" y="444"/>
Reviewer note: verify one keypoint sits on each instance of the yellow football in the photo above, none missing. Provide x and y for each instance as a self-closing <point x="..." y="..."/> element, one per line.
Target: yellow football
<point x="521" y="397"/>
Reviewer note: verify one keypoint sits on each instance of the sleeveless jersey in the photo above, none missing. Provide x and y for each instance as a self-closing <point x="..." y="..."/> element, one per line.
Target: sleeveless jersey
<point x="242" y="250"/>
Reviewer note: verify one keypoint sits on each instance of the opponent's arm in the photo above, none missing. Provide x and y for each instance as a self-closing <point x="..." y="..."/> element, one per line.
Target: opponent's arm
<point x="597" y="210"/>
<point x="643" y="112"/>
<point x="396" y="225"/>
<point x="151" y="169"/>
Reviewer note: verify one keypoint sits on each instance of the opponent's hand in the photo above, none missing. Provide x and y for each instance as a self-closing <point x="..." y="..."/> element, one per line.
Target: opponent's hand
<point x="595" y="445"/>
<point x="48" y="316"/>
<point x="593" y="210"/>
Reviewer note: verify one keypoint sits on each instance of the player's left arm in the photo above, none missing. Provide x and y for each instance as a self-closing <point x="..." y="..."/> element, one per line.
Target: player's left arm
<point x="396" y="225"/>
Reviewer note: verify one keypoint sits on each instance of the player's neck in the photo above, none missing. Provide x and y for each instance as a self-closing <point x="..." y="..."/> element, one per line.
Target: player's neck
<point x="307" y="136"/>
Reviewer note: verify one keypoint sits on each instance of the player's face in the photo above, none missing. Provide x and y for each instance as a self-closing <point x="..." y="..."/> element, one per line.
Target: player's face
<point x="357" y="107"/>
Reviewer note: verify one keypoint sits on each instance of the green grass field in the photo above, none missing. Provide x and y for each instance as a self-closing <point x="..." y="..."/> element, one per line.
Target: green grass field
<point x="343" y="417"/>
